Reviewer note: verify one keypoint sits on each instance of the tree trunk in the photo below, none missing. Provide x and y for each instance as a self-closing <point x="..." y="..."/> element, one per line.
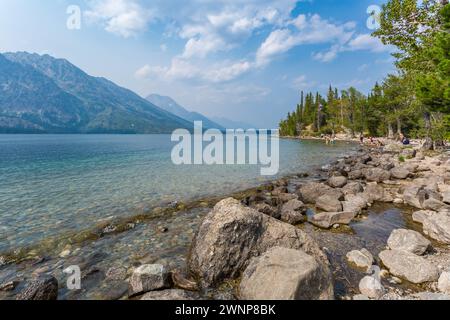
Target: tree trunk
<point x="428" y="145"/>
<point x="390" y="131"/>
<point x="399" y="127"/>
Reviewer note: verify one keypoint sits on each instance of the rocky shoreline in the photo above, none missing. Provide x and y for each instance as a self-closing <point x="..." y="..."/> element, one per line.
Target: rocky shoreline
<point x="267" y="245"/>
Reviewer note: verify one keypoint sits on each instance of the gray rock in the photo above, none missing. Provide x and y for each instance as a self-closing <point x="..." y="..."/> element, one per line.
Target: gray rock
<point x="400" y="173"/>
<point x="433" y="296"/>
<point x="408" y="240"/>
<point x="446" y="197"/>
<point x="286" y="197"/>
<point x="337" y="182"/>
<point x="376" y="174"/>
<point x="42" y="288"/>
<point x="147" y="278"/>
<point x="267" y="209"/>
<point x="433" y="204"/>
<point x="355" y="174"/>
<point x="116" y="273"/>
<point x="311" y="191"/>
<point x="285" y="274"/>
<point x="231" y="234"/>
<point x="174" y="295"/>
<point x="371" y="287"/>
<point x="374" y="192"/>
<point x="293" y="211"/>
<point x="328" y="203"/>
<point x="411" y="196"/>
<point x="360" y="297"/>
<point x="352" y="188"/>
<point x="354" y="204"/>
<point x="327" y="219"/>
<point x="409" y="266"/>
<point x="361" y="258"/>
<point x="420" y="216"/>
<point x="437" y="226"/>
<point x="444" y="282"/>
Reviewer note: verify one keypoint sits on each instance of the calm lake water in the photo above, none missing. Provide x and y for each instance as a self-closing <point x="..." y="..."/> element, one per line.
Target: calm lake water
<point x="50" y="184"/>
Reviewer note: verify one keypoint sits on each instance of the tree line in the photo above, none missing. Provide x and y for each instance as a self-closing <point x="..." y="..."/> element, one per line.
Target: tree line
<point x="414" y="101"/>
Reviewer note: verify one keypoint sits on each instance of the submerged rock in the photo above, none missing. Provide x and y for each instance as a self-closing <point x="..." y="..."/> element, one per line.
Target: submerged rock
<point x="147" y="278"/>
<point x="409" y="266"/>
<point x="285" y="274"/>
<point x="232" y="234"/>
<point x="371" y="287"/>
<point x="361" y="258"/>
<point x="408" y="240"/>
<point x="41" y="288"/>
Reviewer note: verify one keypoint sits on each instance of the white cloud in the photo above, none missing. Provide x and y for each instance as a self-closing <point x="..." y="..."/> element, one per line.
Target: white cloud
<point x="302" y="83"/>
<point x="366" y="42"/>
<point x="125" y="18"/>
<point x="183" y="69"/>
<point x="308" y="30"/>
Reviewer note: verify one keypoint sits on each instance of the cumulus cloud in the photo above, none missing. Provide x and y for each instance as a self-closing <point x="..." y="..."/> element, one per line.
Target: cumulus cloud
<point x="308" y="30"/>
<point x="125" y="18"/>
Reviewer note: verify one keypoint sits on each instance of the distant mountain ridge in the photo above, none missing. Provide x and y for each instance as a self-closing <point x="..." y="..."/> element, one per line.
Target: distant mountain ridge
<point x="172" y="106"/>
<point x="39" y="93"/>
<point x="232" y="124"/>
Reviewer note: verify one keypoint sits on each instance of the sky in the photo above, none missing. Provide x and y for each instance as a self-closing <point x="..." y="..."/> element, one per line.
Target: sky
<point x="245" y="60"/>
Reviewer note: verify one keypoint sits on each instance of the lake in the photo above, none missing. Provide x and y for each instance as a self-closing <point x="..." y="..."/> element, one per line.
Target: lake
<point x="50" y="184"/>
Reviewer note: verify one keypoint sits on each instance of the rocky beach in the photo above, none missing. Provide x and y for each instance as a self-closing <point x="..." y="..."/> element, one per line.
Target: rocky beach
<point x="374" y="224"/>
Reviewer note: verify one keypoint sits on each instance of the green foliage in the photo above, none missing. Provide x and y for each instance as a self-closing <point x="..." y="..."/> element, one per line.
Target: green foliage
<point x="401" y="159"/>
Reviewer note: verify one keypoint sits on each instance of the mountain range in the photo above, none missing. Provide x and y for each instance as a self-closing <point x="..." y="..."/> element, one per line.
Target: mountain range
<point x="42" y="94"/>
<point x="172" y="106"/>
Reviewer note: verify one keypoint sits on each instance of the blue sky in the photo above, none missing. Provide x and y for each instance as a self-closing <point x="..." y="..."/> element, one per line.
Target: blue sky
<point x="244" y="60"/>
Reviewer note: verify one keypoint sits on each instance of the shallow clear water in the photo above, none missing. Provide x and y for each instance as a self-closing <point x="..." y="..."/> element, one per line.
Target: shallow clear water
<point x="53" y="183"/>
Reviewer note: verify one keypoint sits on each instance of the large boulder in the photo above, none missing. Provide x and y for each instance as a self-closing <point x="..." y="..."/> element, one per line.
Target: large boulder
<point x="293" y="211"/>
<point x="328" y="219"/>
<point x="446" y="197"/>
<point x="231" y="234"/>
<point x="416" y="194"/>
<point x="374" y="192"/>
<point x="285" y="274"/>
<point x="421" y="215"/>
<point x="148" y="277"/>
<point x="337" y="181"/>
<point x="433" y="204"/>
<point x="371" y="287"/>
<point x="400" y="173"/>
<point x="361" y="258"/>
<point x="267" y="209"/>
<point x="409" y="266"/>
<point x="353" y="188"/>
<point x="328" y="203"/>
<point x="408" y="240"/>
<point x="42" y="288"/>
<point x="355" y="174"/>
<point x="444" y="282"/>
<point x="355" y="203"/>
<point x="376" y="174"/>
<point x="312" y="190"/>
<point x="437" y="226"/>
